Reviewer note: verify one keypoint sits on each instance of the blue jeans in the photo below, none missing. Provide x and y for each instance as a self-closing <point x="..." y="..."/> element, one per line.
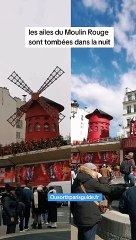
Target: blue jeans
<point x="87" y="233"/>
<point x="129" y="180"/>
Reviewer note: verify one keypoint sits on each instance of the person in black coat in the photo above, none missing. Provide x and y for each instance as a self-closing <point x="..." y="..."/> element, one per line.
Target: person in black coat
<point x="27" y="200"/>
<point x="127" y="205"/>
<point x="52" y="210"/>
<point x="10" y="211"/>
<point x="21" y="206"/>
<point x="38" y="206"/>
<point x="86" y="215"/>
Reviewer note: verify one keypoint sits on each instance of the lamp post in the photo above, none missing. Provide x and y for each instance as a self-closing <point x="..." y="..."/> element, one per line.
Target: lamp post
<point x="74" y="108"/>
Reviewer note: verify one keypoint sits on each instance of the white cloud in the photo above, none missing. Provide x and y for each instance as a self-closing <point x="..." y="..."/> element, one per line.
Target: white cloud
<point x="115" y="64"/>
<point x="95" y="94"/>
<point x="99" y="5"/>
<point x="125" y="29"/>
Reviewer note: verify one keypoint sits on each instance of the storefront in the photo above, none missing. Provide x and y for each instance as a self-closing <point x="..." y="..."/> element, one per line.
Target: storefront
<point x="108" y="153"/>
<point x="37" y="167"/>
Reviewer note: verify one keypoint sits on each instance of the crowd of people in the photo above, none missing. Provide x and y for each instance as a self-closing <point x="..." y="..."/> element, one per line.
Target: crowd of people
<point x="19" y="203"/>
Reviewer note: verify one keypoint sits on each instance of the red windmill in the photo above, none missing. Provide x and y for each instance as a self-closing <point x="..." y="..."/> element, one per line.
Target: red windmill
<point x="42" y="115"/>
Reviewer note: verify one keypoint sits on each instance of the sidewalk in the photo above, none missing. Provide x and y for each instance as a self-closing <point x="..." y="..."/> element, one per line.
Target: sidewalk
<point x="63" y="226"/>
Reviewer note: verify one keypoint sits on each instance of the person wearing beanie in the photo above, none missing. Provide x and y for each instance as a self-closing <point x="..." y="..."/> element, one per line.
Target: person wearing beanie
<point x="27" y="200"/>
<point x="9" y="212"/>
<point x="87" y="215"/>
<point x="52" y="210"/>
<point x="38" y="206"/>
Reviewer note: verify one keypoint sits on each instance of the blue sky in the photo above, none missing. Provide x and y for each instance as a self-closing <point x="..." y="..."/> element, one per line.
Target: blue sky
<point x="100" y="76"/>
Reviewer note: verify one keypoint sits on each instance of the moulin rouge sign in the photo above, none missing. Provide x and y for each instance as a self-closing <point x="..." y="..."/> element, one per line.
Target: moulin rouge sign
<point x="128" y="142"/>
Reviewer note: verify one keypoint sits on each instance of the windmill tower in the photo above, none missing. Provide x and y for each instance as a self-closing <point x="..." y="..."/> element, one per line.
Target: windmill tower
<point x="99" y="123"/>
<point x="42" y="115"/>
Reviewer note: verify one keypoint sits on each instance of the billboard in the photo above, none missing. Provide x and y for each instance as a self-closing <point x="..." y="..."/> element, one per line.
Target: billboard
<point x="43" y="173"/>
<point x="7" y="175"/>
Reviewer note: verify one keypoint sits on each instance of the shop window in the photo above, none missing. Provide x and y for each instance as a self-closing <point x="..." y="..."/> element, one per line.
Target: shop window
<point x="37" y="127"/>
<point x="46" y="127"/>
<point x="30" y="127"/>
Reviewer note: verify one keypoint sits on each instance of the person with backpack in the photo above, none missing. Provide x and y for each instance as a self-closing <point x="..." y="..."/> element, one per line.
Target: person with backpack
<point x="127" y="166"/>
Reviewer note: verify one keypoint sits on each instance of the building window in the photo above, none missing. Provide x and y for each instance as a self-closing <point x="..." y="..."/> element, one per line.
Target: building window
<point x="128" y="122"/>
<point x="37" y="127"/>
<point x="128" y="134"/>
<point x="54" y="127"/>
<point x="19" y="124"/>
<point x="90" y="128"/>
<point x="30" y="127"/>
<point x="46" y="118"/>
<point x="129" y="97"/>
<point x="128" y="109"/>
<point x="134" y="108"/>
<point x="46" y="127"/>
<point x="17" y="135"/>
<point x="96" y="129"/>
<point x="102" y="128"/>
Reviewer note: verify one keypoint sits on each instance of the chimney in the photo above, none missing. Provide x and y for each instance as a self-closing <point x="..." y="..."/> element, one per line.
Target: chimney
<point x="24" y="98"/>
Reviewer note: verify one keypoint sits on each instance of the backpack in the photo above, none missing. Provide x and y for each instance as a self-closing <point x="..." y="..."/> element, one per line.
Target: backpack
<point x="125" y="167"/>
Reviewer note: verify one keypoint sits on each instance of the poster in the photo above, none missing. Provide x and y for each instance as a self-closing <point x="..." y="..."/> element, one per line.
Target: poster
<point x="7" y="175"/>
<point x="43" y="173"/>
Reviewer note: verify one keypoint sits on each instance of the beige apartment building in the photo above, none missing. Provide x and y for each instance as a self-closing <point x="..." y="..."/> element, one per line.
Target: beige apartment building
<point x="8" y="106"/>
<point x="129" y="110"/>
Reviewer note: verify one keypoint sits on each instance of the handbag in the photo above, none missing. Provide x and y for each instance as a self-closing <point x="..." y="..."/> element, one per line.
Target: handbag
<point x="103" y="205"/>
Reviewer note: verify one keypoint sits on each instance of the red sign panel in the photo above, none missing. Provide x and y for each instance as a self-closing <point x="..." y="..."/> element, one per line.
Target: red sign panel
<point x="7" y="174"/>
<point x="43" y="173"/>
<point x="128" y="143"/>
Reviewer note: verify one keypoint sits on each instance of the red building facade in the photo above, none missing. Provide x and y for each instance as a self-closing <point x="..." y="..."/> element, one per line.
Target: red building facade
<point x="99" y="123"/>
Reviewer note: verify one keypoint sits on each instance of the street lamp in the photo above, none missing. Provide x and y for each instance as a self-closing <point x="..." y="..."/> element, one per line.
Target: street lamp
<point x="74" y="108"/>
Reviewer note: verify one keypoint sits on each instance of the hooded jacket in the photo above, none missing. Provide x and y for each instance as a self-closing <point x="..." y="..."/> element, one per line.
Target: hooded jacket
<point x="88" y="213"/>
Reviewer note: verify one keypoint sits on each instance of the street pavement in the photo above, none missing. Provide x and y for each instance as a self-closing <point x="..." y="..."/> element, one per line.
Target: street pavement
<point x="62" y="232"/>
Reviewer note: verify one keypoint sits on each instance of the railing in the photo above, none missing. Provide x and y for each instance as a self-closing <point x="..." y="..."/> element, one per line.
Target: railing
<point x="97" y="140"/>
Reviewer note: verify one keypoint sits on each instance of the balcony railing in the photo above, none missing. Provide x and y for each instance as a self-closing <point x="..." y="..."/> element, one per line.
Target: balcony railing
<point x="97" y="140"/>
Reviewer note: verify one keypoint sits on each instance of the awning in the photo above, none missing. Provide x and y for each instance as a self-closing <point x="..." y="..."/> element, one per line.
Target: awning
<point x="51" y="154"/>
<point x="97" y="147"/>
